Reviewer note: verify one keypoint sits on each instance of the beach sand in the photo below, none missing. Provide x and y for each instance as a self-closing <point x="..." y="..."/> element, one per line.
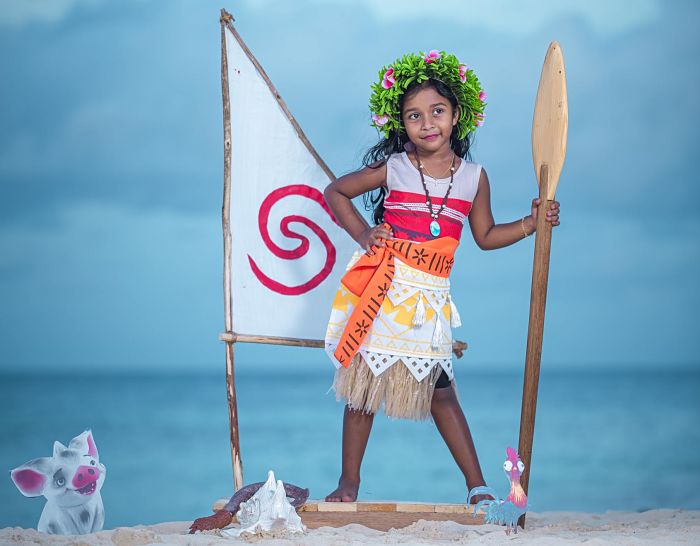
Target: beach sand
<point x="651" y="527"/>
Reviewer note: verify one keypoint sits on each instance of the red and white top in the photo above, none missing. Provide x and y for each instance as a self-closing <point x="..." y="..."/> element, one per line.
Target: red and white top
<point x="405" y="208"/>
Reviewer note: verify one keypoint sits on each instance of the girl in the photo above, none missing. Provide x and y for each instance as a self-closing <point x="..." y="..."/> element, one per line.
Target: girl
<point x="389" y="334"/>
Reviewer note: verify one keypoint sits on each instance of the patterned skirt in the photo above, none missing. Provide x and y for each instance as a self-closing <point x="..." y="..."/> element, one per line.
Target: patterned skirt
<point x="409" y="346"/>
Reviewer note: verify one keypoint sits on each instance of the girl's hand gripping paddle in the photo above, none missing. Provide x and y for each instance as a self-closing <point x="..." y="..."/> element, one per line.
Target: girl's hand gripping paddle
<point x="549" y="133"/>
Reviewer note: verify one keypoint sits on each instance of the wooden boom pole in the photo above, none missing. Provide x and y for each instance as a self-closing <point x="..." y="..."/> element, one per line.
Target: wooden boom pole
<point x="549" y="133"/>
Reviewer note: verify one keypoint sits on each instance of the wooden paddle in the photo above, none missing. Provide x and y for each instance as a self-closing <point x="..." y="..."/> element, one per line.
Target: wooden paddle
<point x="549" y="132"/>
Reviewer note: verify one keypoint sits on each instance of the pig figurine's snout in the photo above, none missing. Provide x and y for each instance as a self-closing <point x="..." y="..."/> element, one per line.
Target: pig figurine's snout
<point x="85" y="478"/>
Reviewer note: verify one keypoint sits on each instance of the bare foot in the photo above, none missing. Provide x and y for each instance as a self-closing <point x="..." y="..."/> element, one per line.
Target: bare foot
<point x="346" y="491"/>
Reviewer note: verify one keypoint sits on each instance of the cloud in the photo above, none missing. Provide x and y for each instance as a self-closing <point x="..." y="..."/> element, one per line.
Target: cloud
<point x="14" y="13"/>
<point x="99" y="109"/>
<point x="123" y="102"/>
<point x="112" y="143"/>
<point x="136" y="281"/>
<point x="147" y="284"/>
<point x="507" y="16"/>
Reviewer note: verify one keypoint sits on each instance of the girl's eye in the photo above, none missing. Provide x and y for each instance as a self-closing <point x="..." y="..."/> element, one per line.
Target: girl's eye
<point x="438" y="111"/>
<point x="414" y="115"/>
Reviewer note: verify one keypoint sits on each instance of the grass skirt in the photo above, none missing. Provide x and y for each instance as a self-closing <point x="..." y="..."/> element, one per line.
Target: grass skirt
<point x="395" y="388"/>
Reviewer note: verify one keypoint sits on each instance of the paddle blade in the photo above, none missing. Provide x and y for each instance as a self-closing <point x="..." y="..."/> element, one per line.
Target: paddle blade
<point x="551" y="120"/>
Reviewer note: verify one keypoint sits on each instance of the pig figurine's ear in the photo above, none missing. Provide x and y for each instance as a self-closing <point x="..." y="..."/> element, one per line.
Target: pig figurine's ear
<point x="58" y="448"/>
<point x="85" y="444"/>
<point x="31" y="477"/>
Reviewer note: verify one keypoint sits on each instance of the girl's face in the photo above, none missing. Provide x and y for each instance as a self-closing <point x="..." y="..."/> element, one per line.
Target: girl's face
<point x="429" y="118"/>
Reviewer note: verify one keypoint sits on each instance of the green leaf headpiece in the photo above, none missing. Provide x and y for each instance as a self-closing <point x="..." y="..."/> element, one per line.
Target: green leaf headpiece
<point x="437" y="65"/>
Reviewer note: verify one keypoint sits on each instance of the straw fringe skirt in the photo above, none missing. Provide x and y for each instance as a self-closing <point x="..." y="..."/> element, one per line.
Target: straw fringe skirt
<point x="409" y="347"/>
<point x="395" y="388"/>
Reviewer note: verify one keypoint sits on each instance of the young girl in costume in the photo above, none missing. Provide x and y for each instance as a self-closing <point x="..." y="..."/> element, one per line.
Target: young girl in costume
<point x="389" y="334"/>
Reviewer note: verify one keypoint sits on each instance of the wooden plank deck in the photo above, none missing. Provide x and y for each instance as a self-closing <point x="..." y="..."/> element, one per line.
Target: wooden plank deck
<point x="379" y="515"/>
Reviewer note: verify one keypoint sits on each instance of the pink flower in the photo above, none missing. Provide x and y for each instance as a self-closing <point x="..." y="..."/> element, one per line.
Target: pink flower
<point x="463" y="69"/>
<point x="388" y="79"/>
<point x="479" y="119"/>
<point x="432" y="56"/>
<point x="380" y="120"/>
<point x="482" y="96"/>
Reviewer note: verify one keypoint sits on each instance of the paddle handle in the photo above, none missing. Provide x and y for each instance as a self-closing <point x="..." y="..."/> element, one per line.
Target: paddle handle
<point x="535" y="329"/>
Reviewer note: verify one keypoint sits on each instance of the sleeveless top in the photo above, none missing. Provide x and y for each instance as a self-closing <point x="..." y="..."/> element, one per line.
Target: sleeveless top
<point x="414" y="323"/>
<point x="405" y="205"/>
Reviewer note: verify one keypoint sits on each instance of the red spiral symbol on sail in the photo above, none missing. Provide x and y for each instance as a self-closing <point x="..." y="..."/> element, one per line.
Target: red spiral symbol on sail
<point x="301" y="250"/>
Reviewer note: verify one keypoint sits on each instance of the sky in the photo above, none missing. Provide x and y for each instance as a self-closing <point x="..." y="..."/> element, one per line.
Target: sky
<point x="111" y="172"/>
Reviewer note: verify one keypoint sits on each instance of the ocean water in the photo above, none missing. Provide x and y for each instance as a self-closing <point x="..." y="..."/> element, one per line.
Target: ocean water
<point x="608" y="440"/>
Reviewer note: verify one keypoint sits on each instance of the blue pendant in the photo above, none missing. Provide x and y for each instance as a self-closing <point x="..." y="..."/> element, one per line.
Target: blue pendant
<point x="435" y="228"/>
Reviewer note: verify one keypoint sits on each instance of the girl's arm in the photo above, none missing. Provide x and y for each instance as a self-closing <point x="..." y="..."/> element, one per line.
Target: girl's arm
<point x="488" y="235"/>
<point x="339" y="194"/>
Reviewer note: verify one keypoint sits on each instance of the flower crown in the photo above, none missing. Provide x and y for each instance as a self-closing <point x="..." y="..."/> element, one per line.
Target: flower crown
<point x="438" y="65"/>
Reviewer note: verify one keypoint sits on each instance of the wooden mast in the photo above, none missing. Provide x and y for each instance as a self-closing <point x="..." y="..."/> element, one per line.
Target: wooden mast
<point x="226" y="225"/>
<point x="549" y="134"/>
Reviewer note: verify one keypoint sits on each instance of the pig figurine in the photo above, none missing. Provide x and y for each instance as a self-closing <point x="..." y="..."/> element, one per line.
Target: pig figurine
<point x="71" y="481"/>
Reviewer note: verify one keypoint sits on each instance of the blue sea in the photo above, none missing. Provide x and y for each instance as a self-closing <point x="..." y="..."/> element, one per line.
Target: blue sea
<point x="604" y="440"/>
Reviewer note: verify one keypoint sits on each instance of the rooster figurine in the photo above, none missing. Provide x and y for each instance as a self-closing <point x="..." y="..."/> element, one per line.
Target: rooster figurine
<point x="504" y="512"/>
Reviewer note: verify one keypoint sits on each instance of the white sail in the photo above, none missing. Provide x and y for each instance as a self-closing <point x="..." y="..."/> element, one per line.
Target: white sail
<point x="288" y="254"/>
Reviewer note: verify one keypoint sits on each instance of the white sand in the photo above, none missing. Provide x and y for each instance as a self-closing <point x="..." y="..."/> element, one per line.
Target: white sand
<point x="652" y="527"/>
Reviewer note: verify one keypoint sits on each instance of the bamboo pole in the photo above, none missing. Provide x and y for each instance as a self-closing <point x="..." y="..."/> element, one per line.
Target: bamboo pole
<point x="233" y="337"/>
<point x="535" y="330"/>
<point x="226" y="226"/>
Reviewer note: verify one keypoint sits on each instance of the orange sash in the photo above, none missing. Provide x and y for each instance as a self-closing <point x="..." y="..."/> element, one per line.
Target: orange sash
<point x="370" y="279"/>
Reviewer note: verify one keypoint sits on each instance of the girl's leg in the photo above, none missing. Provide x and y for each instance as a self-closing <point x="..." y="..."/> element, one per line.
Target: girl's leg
<point x="453" y="427"/>
<point x="356" y="428"/>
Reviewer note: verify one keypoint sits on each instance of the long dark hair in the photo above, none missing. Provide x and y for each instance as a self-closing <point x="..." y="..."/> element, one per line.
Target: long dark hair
<point x="378" y="154"/>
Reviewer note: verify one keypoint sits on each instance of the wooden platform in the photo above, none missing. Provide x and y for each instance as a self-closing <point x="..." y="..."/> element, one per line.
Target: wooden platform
<point x="380" y="515"/>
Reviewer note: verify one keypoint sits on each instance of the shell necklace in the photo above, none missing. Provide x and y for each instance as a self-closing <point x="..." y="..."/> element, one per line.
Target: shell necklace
<point x="435" y="225"/>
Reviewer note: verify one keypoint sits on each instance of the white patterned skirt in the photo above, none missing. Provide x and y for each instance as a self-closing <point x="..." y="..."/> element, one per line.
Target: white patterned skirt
<point x="409" y="346"/>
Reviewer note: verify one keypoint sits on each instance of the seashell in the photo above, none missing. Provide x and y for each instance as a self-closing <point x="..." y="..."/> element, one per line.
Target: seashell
<point x="268" y="509"/>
